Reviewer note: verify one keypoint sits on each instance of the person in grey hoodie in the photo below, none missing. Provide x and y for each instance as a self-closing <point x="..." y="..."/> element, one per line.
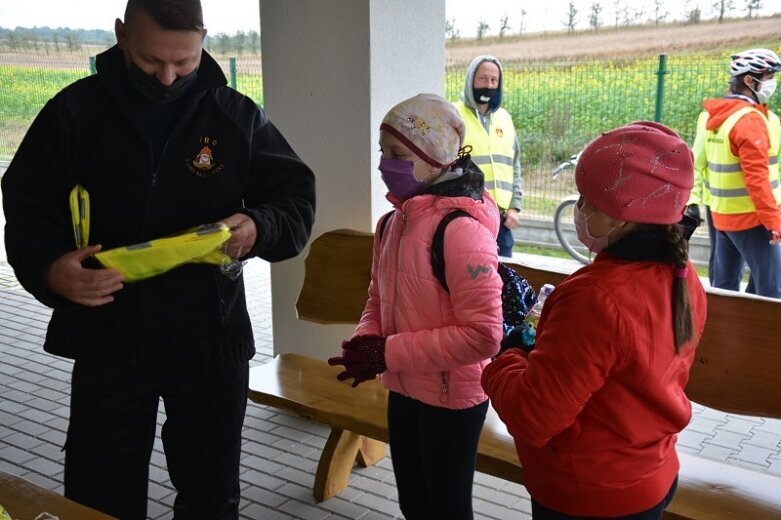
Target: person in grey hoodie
<point x="495" y="148"/>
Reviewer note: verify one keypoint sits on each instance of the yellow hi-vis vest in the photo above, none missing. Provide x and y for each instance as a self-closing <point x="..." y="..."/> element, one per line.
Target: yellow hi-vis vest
<point x="700" y="193"/>
<point x="136" y="262"/>
<point x="493" y="152"/>
<point x="724" y="180"/>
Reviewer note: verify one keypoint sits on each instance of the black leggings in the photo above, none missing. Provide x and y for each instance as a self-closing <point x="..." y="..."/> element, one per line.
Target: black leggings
<point x="540" y="512"/>
<point x="433" y="451"/>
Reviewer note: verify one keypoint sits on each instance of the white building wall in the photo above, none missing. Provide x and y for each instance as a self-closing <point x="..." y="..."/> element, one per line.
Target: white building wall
<point x="331" y="70"/>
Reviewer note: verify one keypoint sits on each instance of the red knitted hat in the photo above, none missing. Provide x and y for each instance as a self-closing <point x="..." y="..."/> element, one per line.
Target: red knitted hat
<point x="642" y="172"/>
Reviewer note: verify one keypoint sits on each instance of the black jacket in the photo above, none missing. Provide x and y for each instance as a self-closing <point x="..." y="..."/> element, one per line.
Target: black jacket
<point x="222" y="156"/>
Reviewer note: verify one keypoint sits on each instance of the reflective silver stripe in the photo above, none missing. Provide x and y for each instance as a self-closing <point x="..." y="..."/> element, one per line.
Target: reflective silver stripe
<point x="485" y="159"/>
<point x="502" y="185"/>
<point x="723" y="168"/>
<point x="142" y="245"/>
<point x="732" y="168"/>
<point x="736" y="192"/>
<point x="503" y="159"/>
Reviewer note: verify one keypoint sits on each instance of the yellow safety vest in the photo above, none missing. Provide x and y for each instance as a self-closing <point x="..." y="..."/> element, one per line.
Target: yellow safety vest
<point x="136" y="262"/>
<point x="700" y="193"/>
<point x="493" y="152"/>
<point x="724" y="180"/>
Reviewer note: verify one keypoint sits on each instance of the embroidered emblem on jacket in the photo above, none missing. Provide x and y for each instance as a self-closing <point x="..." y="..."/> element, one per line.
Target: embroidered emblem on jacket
<point x="204" y="159"/>
<point x="204" y="164"/>
<point x="475" y="271"/>
<point x="500" y="132"/>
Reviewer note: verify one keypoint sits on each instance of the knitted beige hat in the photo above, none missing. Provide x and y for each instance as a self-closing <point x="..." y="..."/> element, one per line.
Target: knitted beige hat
<point x="428" y="125"/>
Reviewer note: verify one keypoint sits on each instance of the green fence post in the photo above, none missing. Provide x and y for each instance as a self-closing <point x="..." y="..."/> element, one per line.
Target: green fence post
<point x="232" y="68"/>
<point x="92" y="68"/>
<point x="660" y="87"/>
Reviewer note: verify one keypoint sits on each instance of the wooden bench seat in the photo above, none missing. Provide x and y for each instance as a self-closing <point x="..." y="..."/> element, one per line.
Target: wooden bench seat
<point x="24" y="500"/>
<point x="738" y="370"/>
<point x="309" y="388"/>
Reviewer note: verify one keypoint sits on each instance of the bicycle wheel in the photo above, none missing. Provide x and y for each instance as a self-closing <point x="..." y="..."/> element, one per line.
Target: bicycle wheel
<point x="564" y="224"/>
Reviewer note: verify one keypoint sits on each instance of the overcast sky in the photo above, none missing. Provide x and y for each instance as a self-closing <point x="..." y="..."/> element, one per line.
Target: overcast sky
<point x="233" y="15"/>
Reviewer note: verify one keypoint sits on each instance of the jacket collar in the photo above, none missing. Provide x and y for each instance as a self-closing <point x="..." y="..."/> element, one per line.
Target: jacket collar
<point x="649" y="244"/>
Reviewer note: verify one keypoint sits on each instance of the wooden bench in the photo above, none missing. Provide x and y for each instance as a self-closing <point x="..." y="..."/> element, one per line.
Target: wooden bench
<point x="738" y="370"/>
<point x="24" y="500"/>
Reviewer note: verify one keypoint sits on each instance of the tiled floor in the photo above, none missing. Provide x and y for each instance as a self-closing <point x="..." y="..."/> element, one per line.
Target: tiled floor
<point x="280" y="451"/>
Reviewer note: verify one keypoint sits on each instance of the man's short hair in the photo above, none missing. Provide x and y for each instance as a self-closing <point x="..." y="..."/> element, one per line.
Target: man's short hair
<point x="175" y="15"/>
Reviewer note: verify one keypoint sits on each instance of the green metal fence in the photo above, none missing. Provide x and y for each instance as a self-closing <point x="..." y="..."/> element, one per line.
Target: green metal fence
<point x="557" y="107"/>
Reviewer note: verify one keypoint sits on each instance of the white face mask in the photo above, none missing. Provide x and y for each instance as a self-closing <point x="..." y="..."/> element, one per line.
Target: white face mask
<point x="766" y="89"/>
<point x="594" y="244"/>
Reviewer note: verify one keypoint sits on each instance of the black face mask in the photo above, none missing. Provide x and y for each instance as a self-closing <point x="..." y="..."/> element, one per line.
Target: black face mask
<point x="484" y="95"/>
<point x="149" y="87"/>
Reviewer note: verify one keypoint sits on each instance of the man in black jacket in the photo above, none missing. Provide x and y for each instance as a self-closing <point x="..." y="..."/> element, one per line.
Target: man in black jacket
<point x="161" y="144"/>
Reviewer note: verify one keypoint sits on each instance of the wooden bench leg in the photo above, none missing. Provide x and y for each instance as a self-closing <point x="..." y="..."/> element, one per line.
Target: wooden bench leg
<point x="370" y="452"/>
<point x="336" y="463"/>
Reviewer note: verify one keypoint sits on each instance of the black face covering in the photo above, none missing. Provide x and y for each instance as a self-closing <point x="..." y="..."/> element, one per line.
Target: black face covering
<point x="149" y="87"/>
<point x="484" y="95"/>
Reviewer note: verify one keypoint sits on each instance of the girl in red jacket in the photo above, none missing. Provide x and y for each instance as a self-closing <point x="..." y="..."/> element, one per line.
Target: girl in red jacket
<point x="430" y="344"/>
<point x="595" y="408"/>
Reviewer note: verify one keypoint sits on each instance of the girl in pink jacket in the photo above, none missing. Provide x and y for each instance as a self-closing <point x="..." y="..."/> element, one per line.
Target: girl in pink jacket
<point x="430" y="344"/>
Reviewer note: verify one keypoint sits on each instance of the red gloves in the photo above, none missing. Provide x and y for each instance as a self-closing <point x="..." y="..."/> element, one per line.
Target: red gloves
<point x="363" y="357"/>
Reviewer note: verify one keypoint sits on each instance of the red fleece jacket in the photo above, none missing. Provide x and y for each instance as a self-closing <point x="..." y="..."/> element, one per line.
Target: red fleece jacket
<point x="595" y="408"/>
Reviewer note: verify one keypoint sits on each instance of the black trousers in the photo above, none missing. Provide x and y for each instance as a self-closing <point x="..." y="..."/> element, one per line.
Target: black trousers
<point x="433" y="451"/>
<point x="540" y="512"/>
<point x="111" y="433"/>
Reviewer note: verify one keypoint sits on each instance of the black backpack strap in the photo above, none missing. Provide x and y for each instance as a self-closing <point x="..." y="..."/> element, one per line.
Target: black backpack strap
<point x="438" y="246"/>
<point x="384" y="223"/>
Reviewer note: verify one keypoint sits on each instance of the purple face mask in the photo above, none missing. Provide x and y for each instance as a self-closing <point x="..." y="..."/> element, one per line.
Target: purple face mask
<point x="397" y="174"/>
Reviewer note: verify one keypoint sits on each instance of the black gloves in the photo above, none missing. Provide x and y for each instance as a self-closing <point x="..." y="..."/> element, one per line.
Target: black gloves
<point x="693" y="211"/>
<point x="522" y="337"/>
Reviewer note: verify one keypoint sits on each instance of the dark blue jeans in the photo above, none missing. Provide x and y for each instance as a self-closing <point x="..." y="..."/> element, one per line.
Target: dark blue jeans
<point x="433" y="451"/>
<point x="735" y="249"/>
<point x="540" y="512"/>
<point x="111" y="433"/>
<point x="505" y="240"/>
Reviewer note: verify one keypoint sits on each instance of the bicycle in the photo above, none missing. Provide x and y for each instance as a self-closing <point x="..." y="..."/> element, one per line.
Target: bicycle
<point x="563" y="220"/>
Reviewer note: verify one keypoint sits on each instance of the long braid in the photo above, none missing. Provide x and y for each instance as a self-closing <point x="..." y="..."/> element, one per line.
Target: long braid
<point x="682" y="315"/>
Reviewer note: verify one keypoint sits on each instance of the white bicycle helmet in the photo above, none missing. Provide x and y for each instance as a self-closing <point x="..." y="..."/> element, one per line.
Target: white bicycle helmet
<point x="757" y="61"/>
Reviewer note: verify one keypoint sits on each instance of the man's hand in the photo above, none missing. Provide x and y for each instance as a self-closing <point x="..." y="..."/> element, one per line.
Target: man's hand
<point x="775" y="237"/>
<point x="244" y="233"/>
<point x="66" y="277"/>
<point x="512" y="218"/>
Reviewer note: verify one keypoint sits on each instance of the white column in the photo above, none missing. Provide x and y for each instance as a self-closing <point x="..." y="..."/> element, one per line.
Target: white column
<point x="331" y="70"/>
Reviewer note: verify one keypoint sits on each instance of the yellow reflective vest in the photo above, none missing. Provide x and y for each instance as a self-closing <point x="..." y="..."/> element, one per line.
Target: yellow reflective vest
<point x="136" y="262"/>
<point x="700" y="193"/>
<point x="724" y="179"/>
<point x="493" y="152"/>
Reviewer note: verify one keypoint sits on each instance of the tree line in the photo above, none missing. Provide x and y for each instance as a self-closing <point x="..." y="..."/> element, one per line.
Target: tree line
<point x="55" y="40"/>
<point x="655" y="12"/>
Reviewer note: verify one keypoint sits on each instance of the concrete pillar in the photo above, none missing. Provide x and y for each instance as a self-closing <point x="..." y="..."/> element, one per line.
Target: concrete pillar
<point x="331" y="70"/>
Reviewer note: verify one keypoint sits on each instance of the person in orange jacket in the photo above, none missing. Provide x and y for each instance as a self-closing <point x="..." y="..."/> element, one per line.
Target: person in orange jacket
<point x="738" y="158"/>
<point x="596" y="406"/>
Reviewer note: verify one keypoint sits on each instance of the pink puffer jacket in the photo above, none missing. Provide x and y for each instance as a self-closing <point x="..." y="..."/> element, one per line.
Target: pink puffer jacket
<point x="437" y="343"/>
